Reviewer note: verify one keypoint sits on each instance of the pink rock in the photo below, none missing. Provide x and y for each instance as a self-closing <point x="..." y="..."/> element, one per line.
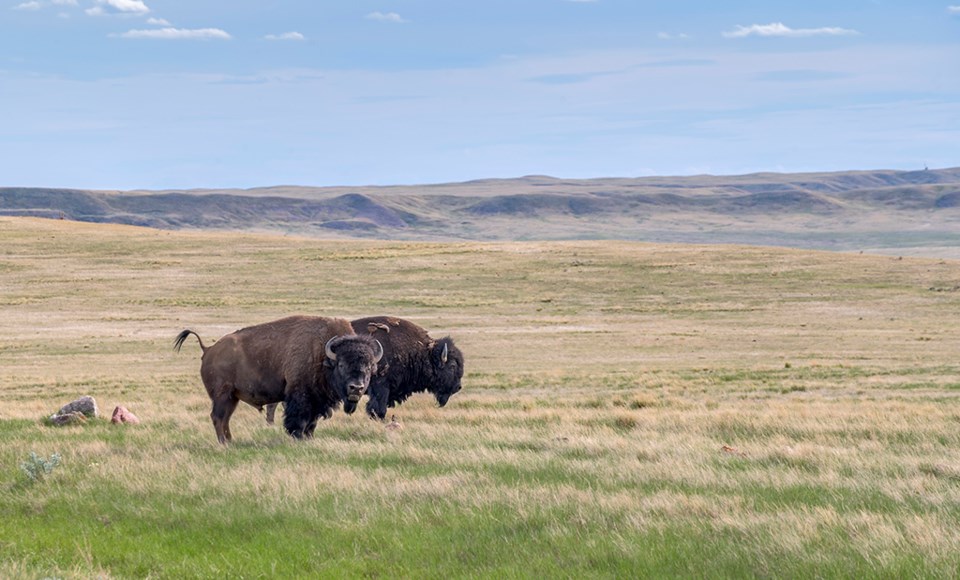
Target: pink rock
<point x="122" y="415"/>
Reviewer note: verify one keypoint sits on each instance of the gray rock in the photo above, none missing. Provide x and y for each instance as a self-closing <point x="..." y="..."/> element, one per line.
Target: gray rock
<point x="72" y="418"/>
<point x="86" y="405"/>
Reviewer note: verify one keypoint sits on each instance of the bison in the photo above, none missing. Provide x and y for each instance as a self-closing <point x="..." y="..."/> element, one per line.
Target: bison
<point x="412" y="363"/>
<point x="310" y="363"/>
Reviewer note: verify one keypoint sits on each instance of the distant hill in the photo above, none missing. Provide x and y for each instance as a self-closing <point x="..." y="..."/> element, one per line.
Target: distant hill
<point x="902" y="211"/>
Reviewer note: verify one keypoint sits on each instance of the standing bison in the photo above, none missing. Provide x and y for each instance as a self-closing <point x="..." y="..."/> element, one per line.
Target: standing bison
<point x="412" y="363"/>
<point x="309" y="363"/>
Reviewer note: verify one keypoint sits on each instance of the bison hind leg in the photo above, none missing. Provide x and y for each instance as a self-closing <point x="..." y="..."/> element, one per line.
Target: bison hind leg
<point x="271" y="412"/>
<point x="223" y="408"/>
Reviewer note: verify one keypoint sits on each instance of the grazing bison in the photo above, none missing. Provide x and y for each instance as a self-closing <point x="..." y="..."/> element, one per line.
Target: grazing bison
<point x="310" y="363"/>
<point x="412" y="363"/>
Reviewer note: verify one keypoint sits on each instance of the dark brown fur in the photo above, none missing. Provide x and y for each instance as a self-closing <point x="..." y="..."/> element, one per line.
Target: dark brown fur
<point x="285" y="360"/>
<point x="412" y="363"/>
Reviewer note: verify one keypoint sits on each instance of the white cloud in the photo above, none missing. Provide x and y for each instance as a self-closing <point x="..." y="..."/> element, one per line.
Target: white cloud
<point x="39" y="4"/>
<point x="953" y="9"/>
<point x="385" y="17"/>
<point x="178" y="34"/>
<point x="780" y="29"/>
<point x="672" y="36"/>
<point x="286" y="36"/>
<point x="158" y="21"/>
<point x="124" y="6"/>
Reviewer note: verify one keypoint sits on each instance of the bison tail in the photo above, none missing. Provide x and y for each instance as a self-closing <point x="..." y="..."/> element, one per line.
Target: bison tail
<point x="183" y="336"/>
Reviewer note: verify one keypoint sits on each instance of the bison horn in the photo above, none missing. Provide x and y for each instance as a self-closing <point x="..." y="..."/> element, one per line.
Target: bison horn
<point x="332" y="356"/>
<point x="443" y="355"/>
<point x="378" y="352"/>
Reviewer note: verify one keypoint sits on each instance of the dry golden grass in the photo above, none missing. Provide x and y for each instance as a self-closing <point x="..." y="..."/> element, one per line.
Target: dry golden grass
<point x="603" y="382"/>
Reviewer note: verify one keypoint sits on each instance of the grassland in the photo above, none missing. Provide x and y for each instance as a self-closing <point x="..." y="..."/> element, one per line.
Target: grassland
<point x="629" y="410"/>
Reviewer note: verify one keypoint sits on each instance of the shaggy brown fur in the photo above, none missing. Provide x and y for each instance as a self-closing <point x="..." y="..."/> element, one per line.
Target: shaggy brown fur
<point x="412" y="363"/>
<point x="287" y="360"/>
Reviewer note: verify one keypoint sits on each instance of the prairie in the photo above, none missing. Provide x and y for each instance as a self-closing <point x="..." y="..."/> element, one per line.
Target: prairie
<point x="629" y="409"/>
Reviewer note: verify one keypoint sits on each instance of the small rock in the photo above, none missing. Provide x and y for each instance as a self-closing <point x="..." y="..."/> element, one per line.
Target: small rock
<point x="86" y="405"/>
<point x="732" y="451"/>
<point x="74" y="417"/>
<point x="393" y="425"/>
<point x="122" y="415"/>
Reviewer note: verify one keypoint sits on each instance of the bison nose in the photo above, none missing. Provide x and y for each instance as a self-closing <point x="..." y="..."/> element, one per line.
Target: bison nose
<point x="355" y="391"/>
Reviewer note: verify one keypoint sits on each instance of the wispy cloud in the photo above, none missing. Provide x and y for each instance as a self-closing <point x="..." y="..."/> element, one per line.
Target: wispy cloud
<point x="178" y="34"/>
<point x="118" y="6"/>
<point x="569" y="78"/>
<point x="38" y="4"/>
<point x="782" y="30"/>
<point x="953" y="9"/>
<point x="286" y="36"/>
<point x="386" y="17"/>
<point x="802" y="75"/>
<point x="672" y="36"/>
<point x="158" y="21"/>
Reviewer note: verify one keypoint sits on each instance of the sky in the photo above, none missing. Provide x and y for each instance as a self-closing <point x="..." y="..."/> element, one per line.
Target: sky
<point x="163" y="94"/>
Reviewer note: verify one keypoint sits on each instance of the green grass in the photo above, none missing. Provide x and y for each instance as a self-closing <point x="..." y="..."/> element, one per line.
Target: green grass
<point x="88" y="517"/>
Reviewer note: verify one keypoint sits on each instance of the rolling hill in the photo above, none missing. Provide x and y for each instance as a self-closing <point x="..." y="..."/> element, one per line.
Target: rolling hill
<point x="894" y="211"/>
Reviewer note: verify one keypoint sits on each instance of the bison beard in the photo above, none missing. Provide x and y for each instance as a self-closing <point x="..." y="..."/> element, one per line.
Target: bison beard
<point x="309" y="363"/>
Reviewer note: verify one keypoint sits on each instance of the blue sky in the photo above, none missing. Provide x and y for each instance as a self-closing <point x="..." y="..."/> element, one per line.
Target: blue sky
<point x="128" y="94"/>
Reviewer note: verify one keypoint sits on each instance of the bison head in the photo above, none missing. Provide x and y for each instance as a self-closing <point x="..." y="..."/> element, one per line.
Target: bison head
<point x="352" y="360"/>
<point x="447" y="369"/>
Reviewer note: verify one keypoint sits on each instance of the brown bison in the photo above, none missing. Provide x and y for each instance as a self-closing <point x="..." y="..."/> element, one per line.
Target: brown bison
<point x="310" y="363"/>
<point x="412" y="363"/>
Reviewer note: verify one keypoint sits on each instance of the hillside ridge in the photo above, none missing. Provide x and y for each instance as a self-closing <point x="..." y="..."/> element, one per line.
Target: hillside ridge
<point x="881" y="209"/>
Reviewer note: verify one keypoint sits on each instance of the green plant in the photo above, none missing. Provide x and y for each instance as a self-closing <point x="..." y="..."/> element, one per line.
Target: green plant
<point x="37" y="468"/>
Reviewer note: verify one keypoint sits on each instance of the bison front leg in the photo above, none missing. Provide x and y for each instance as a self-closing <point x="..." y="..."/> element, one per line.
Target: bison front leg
<point x="325" y="413"/>
<point x="223" y="408"/>
<point x="298" y="415"/>
<point x="310" y="428"/>
<point x="377" y="405"/>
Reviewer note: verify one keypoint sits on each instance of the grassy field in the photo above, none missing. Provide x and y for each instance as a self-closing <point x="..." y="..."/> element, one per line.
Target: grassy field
<point x="628" y="410"/>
